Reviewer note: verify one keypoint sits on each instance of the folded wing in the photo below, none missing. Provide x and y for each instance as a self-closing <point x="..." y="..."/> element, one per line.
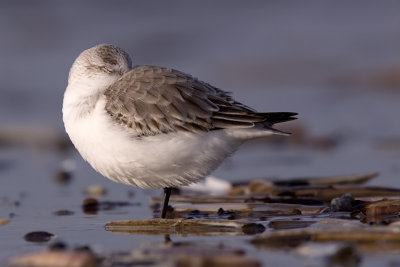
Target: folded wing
<point x="152" y="100"/>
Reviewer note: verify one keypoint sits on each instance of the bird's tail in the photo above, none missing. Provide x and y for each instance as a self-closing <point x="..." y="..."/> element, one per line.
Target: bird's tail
<point x="272" y="118"/>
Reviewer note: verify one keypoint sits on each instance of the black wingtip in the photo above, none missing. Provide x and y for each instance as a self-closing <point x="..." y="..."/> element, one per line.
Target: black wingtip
<point x="277" y="117"/>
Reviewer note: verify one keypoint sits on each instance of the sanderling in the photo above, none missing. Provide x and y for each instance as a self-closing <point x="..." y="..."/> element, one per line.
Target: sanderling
<point x="152" y="126"/>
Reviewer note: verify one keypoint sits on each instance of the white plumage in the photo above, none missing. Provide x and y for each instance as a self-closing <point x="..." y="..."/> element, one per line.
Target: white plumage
<point x="151" y="126"/>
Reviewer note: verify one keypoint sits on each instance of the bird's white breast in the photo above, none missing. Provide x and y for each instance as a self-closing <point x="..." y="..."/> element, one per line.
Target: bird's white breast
<point x="157" y="161"/>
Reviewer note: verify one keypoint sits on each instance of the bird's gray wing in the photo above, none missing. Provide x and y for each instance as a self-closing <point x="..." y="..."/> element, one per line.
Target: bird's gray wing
<point x="152" y="100"/>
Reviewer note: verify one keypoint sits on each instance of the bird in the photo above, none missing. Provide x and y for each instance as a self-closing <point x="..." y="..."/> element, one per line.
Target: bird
<point x="151" y="126"/>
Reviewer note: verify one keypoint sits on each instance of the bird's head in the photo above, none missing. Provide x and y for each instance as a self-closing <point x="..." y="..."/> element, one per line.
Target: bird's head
<point x="99" y="66"/>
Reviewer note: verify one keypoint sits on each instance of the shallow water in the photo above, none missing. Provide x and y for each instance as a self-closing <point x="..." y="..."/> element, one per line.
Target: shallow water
<point x="325" y="61"/>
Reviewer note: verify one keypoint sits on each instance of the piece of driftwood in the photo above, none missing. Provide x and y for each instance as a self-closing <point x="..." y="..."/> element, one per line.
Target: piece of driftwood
<point x="355" y="179"/>
<point x="327" y="180"/>
<point x="327" y="193"/>
<point x="289" y="224"/>
<point x="382" y="208"/>
<point x="203" y="199"/>
<point x="184" y="227"/>
<point x="260" y="208"/>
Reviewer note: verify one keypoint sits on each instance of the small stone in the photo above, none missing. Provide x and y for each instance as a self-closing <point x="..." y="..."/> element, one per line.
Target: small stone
<point x="131" y="194"/>
<point x="220" y="211"/>
<point x="96" y="191"/>
<point x="253" y="228"/>
<point x="63" y="212"/>
<point x="39" y="236"/>
<point x="62" y="177"/>
<point x="4" y="221"/>
<point x="57" y="246"/>
<point x="343" y="203"/>
<point x="90" y="205"/>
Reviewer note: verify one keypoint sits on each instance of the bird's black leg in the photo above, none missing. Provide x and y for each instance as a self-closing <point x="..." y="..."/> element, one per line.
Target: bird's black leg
<point x="167" y="194"/>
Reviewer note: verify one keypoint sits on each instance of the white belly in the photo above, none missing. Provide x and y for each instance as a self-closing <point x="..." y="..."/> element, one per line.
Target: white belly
<point x="149" y="162"/>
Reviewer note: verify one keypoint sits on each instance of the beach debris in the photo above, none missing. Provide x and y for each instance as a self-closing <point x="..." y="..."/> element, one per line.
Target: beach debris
<point x="327" y="193"/>
<point x="210" y="185"/>
<point x="215" y="208"/>
<point x="289" y="224"/>
<point x="318" y="187"/>
<point x="58" y="245"/>
<point x="4" y="221"/>
<point x="63" y="212"/>
<point x="355" y="179"/>
<point x="204" y="199"/>
<point x="39" y="236"/>
<point x="62" y="177"/>
<point x="96" y="191"/>
<point x="346" y="203"/>
<point x="64" y="174"/>
<point x="184" y="227"/>
<point x="253" y="228"/>
<point x="381" y="211"/>
<point x="383" y="207"/>
<point x="329" y="220"/>
<point x="92" y="205"/>
<point x="55" y="258"/>
<point x="131" y="193"/>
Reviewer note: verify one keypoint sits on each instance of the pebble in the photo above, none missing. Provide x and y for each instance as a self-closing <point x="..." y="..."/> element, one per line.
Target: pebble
<point x="63" y="212"/>
<point x="90" y="205"/>
<point x="96" y="191"/>
<point x="131" y="194"/>
<point x="62" y="177"/>
<point x="343" y="203"/>
<point x="4" y="221"/>
<point x="253" y="228"/>
<point x="39" y="237"/>
<point x="57" y="246"/>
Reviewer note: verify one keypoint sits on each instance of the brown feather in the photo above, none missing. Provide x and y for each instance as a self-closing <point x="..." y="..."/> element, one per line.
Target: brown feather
<point x="153" y="100"/>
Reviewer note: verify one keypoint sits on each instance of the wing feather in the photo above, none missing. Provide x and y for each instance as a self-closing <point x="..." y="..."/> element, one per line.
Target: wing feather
<point x="151" y="100"/>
